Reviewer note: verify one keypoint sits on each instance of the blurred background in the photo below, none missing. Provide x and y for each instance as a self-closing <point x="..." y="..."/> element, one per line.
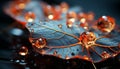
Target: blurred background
<point x="99" y="7"/>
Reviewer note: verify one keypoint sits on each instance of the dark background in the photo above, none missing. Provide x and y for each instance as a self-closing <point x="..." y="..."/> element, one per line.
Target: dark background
<point x="99" y="7"/>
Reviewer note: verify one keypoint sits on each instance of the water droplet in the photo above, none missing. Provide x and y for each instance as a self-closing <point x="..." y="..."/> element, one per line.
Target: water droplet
<point x="67" y="57"/>
<point x="84" y="25"/>
<point x="69" y="23"/>
<point x="90" y="16"/>
<point x="50" y="16"/>
<point x="82" y="16"/>
<point x="105" y="54"/>
<point x="64" y="7"/>
<point x="23" y="51"/>
<point x="21" y="4"/>
<point x="86" y="57"/>
<point x="15" y="10"/>
<point x="30" y="16"/>
<point x="106" y="24"/>
<point x="72" y="16"/>
<point x="39" y="43"/>
<point x="87" y="39"/>
<point x="60" y="25"/>
<point x="47" y="9"/>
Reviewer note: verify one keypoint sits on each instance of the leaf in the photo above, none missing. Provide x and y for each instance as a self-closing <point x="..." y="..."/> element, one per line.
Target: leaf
<point x="64" y="41"/>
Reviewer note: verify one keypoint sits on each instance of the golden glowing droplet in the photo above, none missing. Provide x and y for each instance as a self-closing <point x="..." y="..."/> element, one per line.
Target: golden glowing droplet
<point x="85" y="57"/>
<point x="90" y="16"/>
<point x="84" y="25"/>
<point x="105" y="54"/>
<point x="87" y="39"/>
<point x="15" y="10"/>
<point x="64" y="7"/>
<point x="18" y="6"/>
<point x="86" y="17"/>
<point x="30" y="16"/>
<point x="23" y="51"/>
<point x="82" y="20"/>
<point x="47" y="9"/>
<point x="39" y="43"/>
<point x="22" y="6"/>
<point x="71" y="18"/>
<point x="57" y="13"/>
<point x="106" y="24"/>
<point x="71" y="15"/>
<point x="51" y="12"/>
<point x="113" y="55"/>
<point x="21" y="3"/>
<point x="67" y="57"/>
<point x="50" y="16"/>
<point x="69" y="23"/>
<point x="82" y="16"/>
